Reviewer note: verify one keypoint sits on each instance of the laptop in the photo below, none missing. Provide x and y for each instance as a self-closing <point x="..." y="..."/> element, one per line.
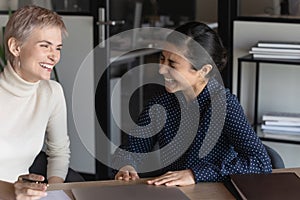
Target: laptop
<point x="129" y="192"/>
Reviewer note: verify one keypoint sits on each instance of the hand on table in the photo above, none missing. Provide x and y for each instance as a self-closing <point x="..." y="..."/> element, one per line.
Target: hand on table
<point x="172" y="178"/>
<point x="27" y="190"/>
<point x="127" y="173"/>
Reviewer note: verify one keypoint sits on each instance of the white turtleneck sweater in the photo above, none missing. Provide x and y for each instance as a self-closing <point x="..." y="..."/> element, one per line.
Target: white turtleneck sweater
<point x="31" y="113"/>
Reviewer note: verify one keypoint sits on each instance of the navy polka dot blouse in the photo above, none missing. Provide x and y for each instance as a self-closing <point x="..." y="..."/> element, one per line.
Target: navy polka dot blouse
<point x="210" y="135"/>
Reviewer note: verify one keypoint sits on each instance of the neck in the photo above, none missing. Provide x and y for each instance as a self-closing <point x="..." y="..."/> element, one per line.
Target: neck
<point x="191" y="93"/>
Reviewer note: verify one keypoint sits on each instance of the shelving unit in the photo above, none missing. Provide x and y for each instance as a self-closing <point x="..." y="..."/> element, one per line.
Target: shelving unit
<point x="258" y="61"/>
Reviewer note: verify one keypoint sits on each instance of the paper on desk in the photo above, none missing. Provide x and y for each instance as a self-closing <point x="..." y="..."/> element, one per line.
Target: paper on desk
<point x="56" y="195"/>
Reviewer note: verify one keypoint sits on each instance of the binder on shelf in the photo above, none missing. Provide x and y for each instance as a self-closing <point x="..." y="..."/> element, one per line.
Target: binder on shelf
<point x="282" y="123"/>
<point x="276" y="56"/>
<point x="293" y="129"/>
<point x="274" y="50"/>
<point x="280" y="135"/>
<point x="281" y="116"/>
<point x="275" y="186"/>
<point x="279" y="44"/>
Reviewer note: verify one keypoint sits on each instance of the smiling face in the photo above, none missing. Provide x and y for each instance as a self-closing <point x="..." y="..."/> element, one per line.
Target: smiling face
<point x="38" y="54"/>
<point x="179" y="74"/>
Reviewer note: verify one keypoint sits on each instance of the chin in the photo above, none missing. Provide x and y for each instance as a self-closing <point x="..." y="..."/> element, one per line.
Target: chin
<point x="45" y="78"/>
<point x="171" y="90"/>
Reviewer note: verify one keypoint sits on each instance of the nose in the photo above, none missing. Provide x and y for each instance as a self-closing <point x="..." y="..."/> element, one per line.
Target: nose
<point x="163" y="67"/>
<point x="54" y="55"/>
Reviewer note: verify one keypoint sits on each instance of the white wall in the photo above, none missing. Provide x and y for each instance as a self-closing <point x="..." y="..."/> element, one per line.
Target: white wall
<point x="76" y="48"/>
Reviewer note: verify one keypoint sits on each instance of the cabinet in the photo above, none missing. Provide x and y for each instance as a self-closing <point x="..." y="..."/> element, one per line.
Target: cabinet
<point x="258" y="62"/>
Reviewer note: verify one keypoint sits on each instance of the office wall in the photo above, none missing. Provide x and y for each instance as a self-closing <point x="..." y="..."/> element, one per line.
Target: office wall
<point x="76" y="48"/>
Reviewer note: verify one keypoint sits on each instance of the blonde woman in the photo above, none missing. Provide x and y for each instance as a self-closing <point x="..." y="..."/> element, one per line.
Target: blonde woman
<point x="33" y="108"/>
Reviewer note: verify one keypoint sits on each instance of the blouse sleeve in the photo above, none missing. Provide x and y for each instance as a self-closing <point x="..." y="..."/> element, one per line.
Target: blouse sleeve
<point x="57" y="139"/>
<point x="248" y="154"/>
<point x="140" y="141"/>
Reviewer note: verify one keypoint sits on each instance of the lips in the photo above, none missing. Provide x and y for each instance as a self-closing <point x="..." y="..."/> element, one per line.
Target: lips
<point x="47" y="66"/>
<point x="169" y="80"/>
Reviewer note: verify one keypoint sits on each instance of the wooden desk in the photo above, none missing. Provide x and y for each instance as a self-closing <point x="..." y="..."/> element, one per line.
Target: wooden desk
<point x="199" y="191"/>
<point x="205" y="191"/>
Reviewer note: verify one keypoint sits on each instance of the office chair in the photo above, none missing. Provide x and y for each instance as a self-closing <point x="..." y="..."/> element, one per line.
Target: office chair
<point x="39" y="166"/>
<point x="276" y="159"/>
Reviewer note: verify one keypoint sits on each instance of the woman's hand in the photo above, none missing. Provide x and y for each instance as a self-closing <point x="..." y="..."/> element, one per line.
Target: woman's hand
<point x="29" y="187"/>
<point x="127" y="173"/>
<point x="180" y="178"/>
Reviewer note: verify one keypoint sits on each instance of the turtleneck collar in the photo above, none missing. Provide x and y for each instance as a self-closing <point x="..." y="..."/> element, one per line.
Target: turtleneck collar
<point x="14" y="84"/>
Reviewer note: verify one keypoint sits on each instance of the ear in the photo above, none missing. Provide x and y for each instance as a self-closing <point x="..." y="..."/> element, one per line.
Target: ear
<point x="13" y="46"/>
<point x="205" y="69"/>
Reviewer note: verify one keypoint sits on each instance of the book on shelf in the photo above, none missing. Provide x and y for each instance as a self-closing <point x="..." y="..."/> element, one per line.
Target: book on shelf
<point x="275" y="186"/>
<point x="294" y="129"/>
<point x="256" y="49"/>
<point x="273" y="53"/>
<point x="280" y="135"/>
<point x="281" y="116"/>
<point x="279" y="44"/>
<point x="276" y="56"/>
<point x="282" y="123"/>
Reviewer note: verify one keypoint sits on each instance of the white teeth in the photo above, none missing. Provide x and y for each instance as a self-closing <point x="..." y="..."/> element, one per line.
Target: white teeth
<point x="169" y="79"/>
<point x="47" y="66"/>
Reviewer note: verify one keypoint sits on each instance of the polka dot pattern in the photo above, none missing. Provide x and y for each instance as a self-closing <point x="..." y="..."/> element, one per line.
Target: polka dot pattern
<point x="228" y="148"/>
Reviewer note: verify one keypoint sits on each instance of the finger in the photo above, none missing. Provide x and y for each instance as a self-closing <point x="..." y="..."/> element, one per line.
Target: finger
<point x="173" y="183"/>
<point x="29" y="197"/>
<point x="119" y="176"/>
<point x="36" y="186"/>
<point x="31" y="177"/>
<point x="162" y="177"/>
<point x="26" y="193"/>
<point x="32" y="192"/>
<point x="164" y="180"/>
<point x="134" y="175"/>
<point x="126" y="176"/>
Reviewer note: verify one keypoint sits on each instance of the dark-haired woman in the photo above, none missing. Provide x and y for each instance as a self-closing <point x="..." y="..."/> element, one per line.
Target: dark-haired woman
<point x="201" y="130"/>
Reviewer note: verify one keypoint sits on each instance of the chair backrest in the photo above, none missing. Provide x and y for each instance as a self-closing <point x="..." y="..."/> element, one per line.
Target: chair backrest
<point x="39" y="166"/>
<point x="276" y="160"/>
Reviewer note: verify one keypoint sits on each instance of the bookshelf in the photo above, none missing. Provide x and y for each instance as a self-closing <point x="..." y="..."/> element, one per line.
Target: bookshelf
<point x="278" y="82"/>
<point x="257" y="62"/>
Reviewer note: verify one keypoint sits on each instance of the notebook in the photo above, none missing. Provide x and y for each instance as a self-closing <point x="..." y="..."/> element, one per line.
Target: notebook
<point x="129" y="192"/>
<point x="275" y="186"/>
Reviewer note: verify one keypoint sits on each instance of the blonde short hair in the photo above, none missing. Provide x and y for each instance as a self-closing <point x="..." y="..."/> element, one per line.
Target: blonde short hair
<point x="24" y="20"/>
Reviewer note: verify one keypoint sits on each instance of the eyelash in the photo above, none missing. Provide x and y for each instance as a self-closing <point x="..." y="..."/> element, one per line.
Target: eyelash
<point x="47" y="46"/>
<point x="44" y="45"/>
<point x="162" y="58"/>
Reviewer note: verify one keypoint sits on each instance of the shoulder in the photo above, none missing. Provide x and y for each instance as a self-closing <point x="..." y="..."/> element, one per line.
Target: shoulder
<point x="51" y="90"/>
<point x="163" y="98"/>
<point x="232" y="100"/>
<point x="50" y="87"/>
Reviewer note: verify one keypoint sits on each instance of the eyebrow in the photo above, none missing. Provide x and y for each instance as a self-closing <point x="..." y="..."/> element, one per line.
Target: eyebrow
<point x="170" y="60"/>
<point x="50" y="43"/>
